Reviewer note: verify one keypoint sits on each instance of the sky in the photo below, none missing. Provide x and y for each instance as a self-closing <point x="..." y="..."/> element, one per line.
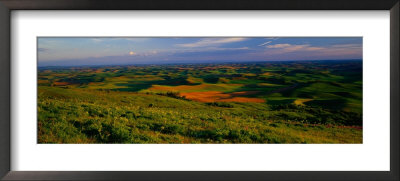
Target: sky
<point x="75" y="51"/>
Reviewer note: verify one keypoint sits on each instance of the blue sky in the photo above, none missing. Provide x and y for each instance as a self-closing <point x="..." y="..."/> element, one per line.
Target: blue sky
<point x="70" y="51"/>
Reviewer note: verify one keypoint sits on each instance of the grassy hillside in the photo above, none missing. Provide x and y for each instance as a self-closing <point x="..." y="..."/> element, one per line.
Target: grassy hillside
<point x="308" y="102"/>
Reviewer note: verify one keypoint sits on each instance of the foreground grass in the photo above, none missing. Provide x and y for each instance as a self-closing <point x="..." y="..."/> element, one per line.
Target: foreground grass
<point x="93" y="116"/>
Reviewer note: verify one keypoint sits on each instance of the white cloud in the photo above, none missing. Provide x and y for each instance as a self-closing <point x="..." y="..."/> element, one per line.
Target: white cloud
<point x="268" y="42"/>
<point x="287" y="51"/>
<point x="211" y="42"/>
<point x="240" y="48"/>
<point x="347" y="46"/>
<point x="207" y="49"/>
<point x="306" y="47"/>
<point x="97" y="40"/>
<point x="149" y="53"/>
<point x="279" y="46"/>
<point x="290" y="48"/>
<point x="271" y="38"/>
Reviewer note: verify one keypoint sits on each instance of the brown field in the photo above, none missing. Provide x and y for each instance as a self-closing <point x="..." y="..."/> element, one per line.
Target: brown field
<point x="193" y="88"/>
<point x="178" y="88"/>
<point x="42" y="81"/>
<point x="244" y="93"/>
<point x="95" y="83"/>
<point x="216" y="96"/>
<point x="267" y="73"/>
<point x="60" y="83"/>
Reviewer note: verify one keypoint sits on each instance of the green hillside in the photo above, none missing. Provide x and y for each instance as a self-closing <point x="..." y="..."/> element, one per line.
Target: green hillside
<point x="307" y="102"/>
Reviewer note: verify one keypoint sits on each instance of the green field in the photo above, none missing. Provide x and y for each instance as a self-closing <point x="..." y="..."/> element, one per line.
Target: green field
<point x="270" y="102"/>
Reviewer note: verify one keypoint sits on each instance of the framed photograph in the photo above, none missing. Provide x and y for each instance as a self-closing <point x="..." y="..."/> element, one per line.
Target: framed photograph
<point x="199" y="90"/>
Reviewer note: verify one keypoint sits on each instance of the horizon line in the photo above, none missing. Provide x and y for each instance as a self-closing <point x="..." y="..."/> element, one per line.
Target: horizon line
<point x="227" y="62"/>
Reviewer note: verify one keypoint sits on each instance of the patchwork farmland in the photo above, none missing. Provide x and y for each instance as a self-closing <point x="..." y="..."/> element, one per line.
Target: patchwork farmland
<point x="259" y="102"/>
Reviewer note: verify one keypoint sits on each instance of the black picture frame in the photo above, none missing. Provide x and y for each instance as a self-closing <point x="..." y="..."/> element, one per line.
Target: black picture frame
<point x="6" y="6"/>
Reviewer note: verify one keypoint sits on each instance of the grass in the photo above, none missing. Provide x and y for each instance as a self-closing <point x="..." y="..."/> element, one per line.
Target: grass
<point x="187" y="104"/>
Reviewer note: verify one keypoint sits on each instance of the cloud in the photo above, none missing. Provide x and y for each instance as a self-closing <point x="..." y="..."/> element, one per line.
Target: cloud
<point x="149" y="53"/>
<point x="208" y="49"/>
<point x="289" y="47"/>
<point x="217" y="48"/>
<point x="97" y="40"/>
<point x="286" y="51"/>
<point x="286" y="48"/>
<point x="211" y="42"/>
<point x="42" y="49"/>
<point x="347" y="46"/>
<point x="279" y="46"/>
<point x="271" y="38"/>
<point x="268" y="42"/>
